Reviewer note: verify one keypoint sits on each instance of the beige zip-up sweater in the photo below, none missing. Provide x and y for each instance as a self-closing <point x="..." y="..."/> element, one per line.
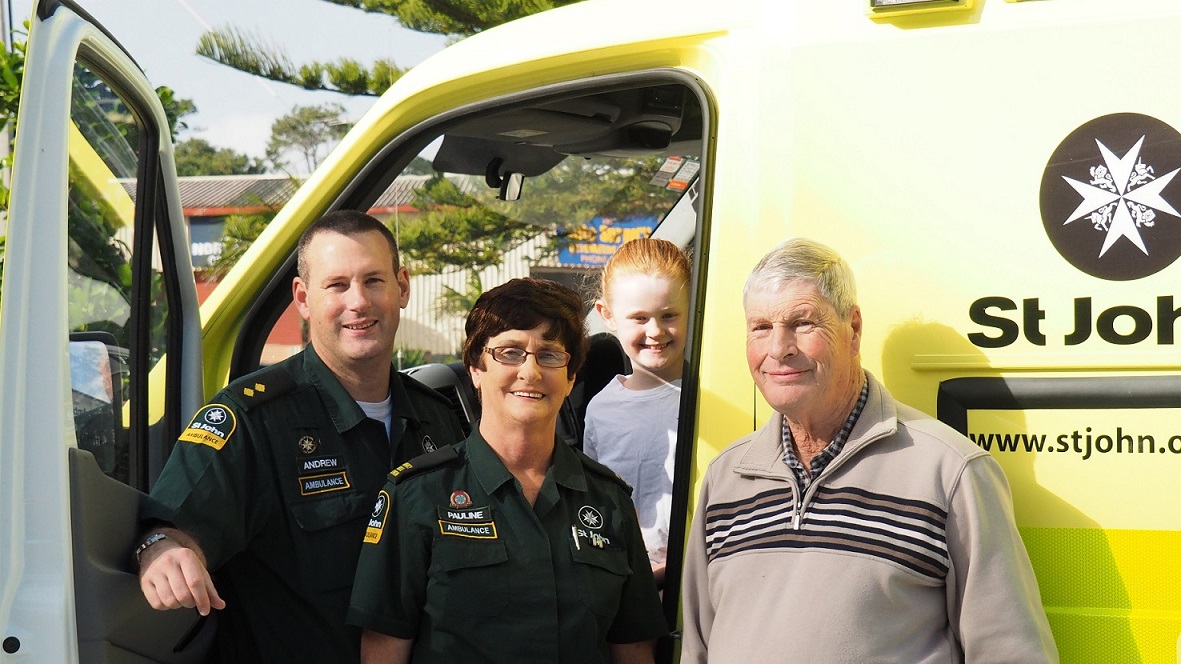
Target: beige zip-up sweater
<point x="904" y="549"/>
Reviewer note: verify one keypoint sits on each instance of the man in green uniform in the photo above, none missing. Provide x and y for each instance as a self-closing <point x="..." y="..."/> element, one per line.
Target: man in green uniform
<point x="262" y="505"/>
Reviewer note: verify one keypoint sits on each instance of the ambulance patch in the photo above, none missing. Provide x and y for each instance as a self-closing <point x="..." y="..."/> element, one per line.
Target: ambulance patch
<point x="212" y="425"/>
<point x="377" y="518"/>
<point x="309" y="486"/>
<point x="486" y="530"/>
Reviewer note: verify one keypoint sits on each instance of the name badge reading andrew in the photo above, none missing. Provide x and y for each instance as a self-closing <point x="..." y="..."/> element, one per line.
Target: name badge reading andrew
<point x="473" y="522"/>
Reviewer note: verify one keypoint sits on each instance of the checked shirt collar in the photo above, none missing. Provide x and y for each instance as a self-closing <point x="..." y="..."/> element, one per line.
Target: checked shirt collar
<point x="821" y="460"/>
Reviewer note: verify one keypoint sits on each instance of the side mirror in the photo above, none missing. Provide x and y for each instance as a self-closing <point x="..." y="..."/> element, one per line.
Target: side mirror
<point x="98" y="376"/>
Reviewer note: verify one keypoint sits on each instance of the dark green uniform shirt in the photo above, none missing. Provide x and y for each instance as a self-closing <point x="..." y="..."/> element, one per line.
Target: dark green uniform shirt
<point x="275" y="478"/>
<point x="456" y="559"/>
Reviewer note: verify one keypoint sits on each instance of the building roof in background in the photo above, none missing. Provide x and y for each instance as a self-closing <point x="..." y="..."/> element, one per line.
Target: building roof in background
<point x="213" y="195"/>
<point x="220" y="195"/>
<point x="399" y="194"/>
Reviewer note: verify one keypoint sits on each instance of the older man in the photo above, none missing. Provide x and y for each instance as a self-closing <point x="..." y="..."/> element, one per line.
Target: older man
<point x="850" y="528"/>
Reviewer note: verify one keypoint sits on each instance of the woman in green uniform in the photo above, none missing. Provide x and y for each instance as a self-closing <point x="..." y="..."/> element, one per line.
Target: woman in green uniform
<point x="510" y="546"/>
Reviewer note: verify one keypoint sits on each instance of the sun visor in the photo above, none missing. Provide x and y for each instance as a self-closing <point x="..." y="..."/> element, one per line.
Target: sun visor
<point x="471" y="156"/>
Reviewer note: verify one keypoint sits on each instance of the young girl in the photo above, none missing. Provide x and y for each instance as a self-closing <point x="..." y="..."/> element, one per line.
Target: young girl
<point x="631" y="425"/>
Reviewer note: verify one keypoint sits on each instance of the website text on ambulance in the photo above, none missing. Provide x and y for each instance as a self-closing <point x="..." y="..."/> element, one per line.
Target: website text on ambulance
<point x="1085" y="443"/>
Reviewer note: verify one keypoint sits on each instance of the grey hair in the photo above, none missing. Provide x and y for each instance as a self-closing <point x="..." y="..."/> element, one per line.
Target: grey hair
<point x="800" y="259"/>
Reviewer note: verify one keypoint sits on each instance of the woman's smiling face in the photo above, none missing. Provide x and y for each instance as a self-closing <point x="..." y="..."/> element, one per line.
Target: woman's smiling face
<point x="528" y="394"/>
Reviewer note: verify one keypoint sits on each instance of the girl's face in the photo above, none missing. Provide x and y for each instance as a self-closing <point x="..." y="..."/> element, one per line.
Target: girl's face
<point x="648" y="315"/>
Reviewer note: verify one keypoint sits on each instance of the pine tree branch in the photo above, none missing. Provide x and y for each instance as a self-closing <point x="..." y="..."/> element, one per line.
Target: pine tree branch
<point x="250" y="54"/>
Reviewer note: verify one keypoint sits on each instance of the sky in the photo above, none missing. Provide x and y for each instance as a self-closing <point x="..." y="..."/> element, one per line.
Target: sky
<point x="236" y="110"/>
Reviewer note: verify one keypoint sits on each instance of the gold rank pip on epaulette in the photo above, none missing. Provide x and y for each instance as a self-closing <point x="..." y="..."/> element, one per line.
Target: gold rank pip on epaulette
<point x="401" y="469"/>
<point x="266" y="385"/>
<point x="444" y="454"/>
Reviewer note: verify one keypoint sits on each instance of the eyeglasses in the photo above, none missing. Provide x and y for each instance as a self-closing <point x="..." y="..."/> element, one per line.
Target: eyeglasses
<point x="515" y="357"/>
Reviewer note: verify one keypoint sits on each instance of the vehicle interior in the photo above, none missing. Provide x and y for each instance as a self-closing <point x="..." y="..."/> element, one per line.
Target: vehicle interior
<point x="631" y="136"/>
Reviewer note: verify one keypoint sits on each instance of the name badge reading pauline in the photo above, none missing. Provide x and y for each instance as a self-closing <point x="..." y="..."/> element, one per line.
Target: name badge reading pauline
<point x="471" y="522"/>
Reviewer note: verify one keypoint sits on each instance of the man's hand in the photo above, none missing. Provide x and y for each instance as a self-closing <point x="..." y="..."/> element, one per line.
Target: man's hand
<point x="172" y="575"/>
<point x="378" y="648"/>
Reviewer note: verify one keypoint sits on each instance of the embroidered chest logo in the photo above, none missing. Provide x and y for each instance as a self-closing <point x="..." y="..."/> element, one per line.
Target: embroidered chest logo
<point x="460" y="499"/>
<point x="307" y="445"/>
<point x="590" y="517"/>
<point x="428" y="445"/>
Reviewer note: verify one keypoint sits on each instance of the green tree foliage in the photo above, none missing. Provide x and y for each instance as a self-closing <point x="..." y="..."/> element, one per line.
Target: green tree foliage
<point x="241" y="230"/>
<point x="455" y="303"/>
<point x="12" y="74"/>
<point x="454" y="17"/>
<point x="100" y="115"/>
<point x="308" y="132"/>
<point x="406" y="357"/>
<point x="458" y="229"/>
<point x="111" y="107"/>
<point x="101" y="294"/>
<point x="248" y="53"/>
<point x="579" y="189"/>
<point x="457" y="18"/>
<point x="176" y="110"/>
<point x="196" y="156"/>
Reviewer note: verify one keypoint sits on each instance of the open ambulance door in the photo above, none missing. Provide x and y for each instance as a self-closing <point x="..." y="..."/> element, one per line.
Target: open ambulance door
<point x="99" y="351"/>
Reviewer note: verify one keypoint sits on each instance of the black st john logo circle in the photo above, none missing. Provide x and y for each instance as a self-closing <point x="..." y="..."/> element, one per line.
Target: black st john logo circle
<point x="1108" y="201"/>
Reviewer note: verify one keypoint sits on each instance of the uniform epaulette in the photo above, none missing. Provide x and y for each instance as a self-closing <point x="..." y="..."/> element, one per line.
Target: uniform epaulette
<point x="262" y="385"/>
<point x="423" y="462"/>
<point x="599" y="469"/>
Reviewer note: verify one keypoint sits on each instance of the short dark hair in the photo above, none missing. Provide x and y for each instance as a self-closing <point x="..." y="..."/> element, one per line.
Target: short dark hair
<point x="342" y="222"/>
<point x="523" y="304"/>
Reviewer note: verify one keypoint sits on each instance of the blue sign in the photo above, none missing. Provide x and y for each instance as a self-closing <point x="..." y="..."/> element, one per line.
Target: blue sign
<point x="593" y="243"/>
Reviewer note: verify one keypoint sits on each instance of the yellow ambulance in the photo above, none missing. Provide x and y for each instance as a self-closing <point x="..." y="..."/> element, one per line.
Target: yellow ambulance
<point x="1000" y="174"/>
